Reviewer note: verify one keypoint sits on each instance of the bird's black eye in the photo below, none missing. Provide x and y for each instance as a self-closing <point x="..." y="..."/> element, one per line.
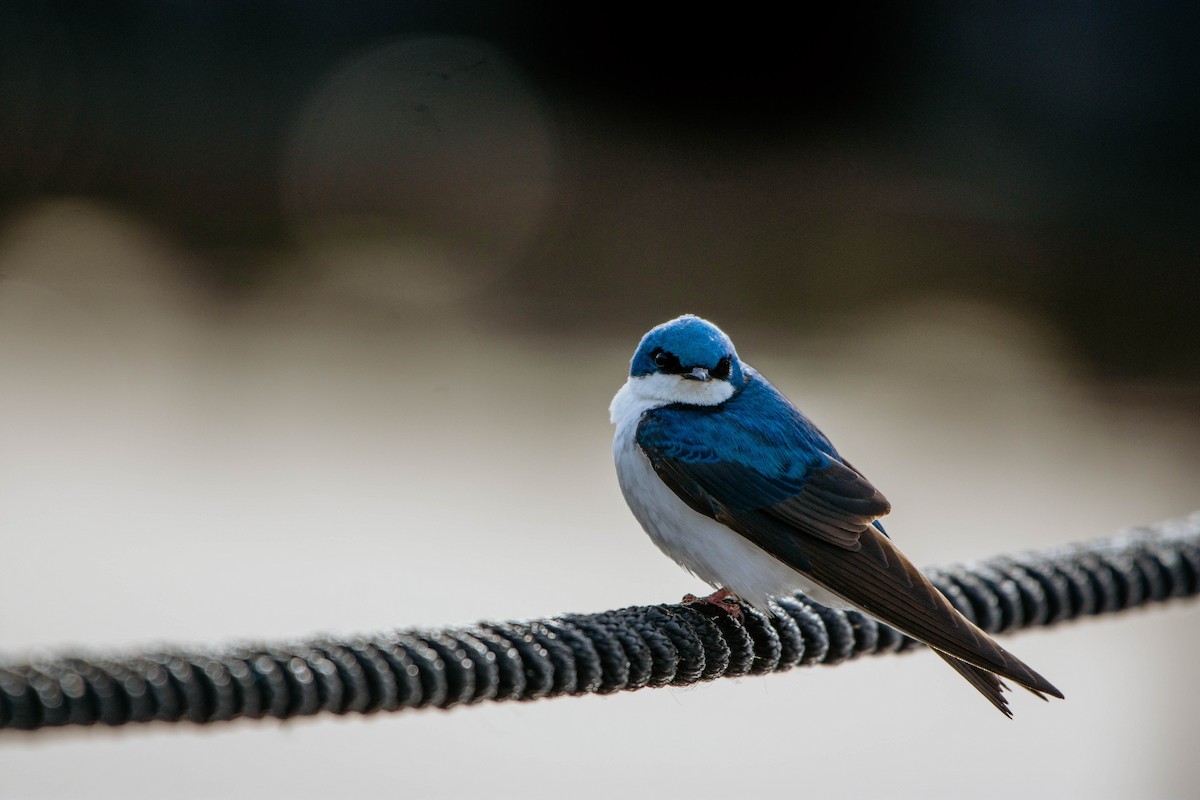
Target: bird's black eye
<point x="667" y="362"/>
<point x="721" y="371"/>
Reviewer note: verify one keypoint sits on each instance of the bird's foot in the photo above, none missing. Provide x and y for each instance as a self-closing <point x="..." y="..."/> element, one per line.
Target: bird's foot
<point x="723" y="599"/>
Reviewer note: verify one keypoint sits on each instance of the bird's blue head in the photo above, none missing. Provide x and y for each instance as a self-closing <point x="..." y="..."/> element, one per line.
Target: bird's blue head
<point x="689" y="350"/>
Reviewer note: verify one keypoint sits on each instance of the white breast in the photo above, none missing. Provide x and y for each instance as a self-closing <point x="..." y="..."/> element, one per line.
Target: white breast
<point x="712" y="552"/>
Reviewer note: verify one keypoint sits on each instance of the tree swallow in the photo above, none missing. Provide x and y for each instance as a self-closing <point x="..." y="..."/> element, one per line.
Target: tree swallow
<point x="731" y="481"/>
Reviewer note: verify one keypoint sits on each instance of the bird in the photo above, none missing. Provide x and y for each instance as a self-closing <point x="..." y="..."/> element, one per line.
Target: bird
<point x="735" y="484"/>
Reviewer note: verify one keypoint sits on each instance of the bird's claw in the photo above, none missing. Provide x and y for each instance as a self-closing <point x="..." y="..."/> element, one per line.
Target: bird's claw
<point x="723" y="599"/>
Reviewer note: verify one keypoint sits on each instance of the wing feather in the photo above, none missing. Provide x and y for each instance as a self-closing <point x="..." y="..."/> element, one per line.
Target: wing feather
<point x="774" y="478"/>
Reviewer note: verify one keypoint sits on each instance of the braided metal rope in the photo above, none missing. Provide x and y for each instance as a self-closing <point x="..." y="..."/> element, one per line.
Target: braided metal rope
<point x="582" y="653"/>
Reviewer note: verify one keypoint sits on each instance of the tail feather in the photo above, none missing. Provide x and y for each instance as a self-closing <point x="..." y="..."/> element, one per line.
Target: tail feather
<point x="881" y="581"/>
<point x="986" y="682"/>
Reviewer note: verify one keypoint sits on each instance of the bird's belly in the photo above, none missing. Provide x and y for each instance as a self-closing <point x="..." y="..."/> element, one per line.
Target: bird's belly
<point x="712" y="552"/>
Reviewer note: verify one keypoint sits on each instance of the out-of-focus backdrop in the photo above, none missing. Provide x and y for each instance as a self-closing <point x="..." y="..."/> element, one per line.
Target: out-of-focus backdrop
<point x="310" y="314"/>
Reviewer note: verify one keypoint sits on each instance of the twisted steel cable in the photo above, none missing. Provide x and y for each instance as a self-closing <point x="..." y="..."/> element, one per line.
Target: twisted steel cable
<point x="574" y="654"/>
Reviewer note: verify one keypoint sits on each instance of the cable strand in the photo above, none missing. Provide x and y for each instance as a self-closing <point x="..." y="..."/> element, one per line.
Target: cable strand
<point x="575" y="654"/>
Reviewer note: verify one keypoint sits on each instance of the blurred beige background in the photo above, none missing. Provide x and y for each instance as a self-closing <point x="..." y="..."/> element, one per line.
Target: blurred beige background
<point x="171" y="475"/>
<point x="394" y="414"/>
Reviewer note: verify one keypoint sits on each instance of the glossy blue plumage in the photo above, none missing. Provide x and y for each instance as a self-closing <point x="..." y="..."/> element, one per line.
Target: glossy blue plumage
<point x="757" y="431"/>
<point x="694" y="341"/>
<point x="759" y="464"/>
<point x="738" y="486"/>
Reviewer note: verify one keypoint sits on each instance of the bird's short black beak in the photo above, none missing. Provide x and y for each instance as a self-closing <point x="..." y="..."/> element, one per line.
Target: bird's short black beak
<point x="697" y="374"/>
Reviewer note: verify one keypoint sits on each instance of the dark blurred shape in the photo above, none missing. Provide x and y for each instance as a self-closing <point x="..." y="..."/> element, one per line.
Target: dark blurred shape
<point x="749" y="72"/>
<point x="1039" y="156"/>
<point x="419" y="171"/>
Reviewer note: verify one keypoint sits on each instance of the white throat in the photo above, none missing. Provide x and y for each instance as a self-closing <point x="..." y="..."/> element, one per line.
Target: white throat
<point x="642" y="393"/>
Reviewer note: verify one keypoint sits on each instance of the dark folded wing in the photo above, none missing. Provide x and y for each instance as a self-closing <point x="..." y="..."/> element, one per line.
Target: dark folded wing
<point x="832" y="503"/>
<point x="879" y="579"/>
<point x="761" y="455"/>
<point x="775" y="479"/>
